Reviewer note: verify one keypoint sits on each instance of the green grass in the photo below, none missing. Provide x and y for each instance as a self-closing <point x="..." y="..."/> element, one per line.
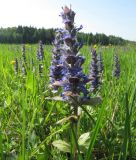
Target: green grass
<point x="28" y="121"/>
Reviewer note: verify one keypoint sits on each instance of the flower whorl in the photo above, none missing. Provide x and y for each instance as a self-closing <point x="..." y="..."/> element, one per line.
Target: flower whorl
<point x="116" y="66"/>
<point x="73" y="80"/>
<point x="94" y="74"/>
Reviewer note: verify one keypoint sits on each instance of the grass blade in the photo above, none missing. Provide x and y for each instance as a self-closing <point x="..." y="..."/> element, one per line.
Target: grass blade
<point x="94" y="135"/>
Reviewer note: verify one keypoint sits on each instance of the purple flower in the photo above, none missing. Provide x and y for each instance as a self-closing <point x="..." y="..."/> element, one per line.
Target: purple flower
<point x="56" y="69"/>
<point x="94" y="74"/>
<point x="23" y="61"/>
<point x="67" y="15"/>
<point x="116" y="66"/>
<point x="24" y="54"/>
<point x="100" y="63"/>
<point x="40" y="56"/>
<point x="66" y="66"/>
<point x="40" y="52"/>
<point x="74" y="80"/>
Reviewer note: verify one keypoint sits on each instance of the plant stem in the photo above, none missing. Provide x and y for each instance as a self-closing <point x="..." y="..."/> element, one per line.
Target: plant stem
<point x="75" y="133"/>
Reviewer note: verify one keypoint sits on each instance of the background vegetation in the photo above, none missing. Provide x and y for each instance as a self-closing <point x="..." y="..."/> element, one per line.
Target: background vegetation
<point x="25" y="34"/>
<point x="28" y="122"/>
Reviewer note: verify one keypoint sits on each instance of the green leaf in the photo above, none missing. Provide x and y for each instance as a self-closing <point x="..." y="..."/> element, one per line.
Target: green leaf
<point x="82" y="141"/>
<point x="8" y="101"/>
<point x="30" y="83"/>
<point x="95" y="133"/>
<point x="92" y="101"/>
<point x="62" y="145"/>
<point x="56" y="98"/>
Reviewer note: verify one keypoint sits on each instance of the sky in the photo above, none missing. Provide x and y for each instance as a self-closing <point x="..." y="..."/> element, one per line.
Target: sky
<point x="111" y="17"/>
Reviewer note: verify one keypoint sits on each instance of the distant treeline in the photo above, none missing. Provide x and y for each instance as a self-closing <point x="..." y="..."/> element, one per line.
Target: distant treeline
<point x="25" y="34"/>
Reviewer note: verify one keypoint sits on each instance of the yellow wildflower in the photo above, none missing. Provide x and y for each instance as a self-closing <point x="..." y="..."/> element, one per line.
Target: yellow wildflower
<point x="12" y="62"/>
<point x="95" y="46"/>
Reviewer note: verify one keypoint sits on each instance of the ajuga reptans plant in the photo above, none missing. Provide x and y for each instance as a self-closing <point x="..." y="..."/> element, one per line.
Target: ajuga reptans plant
<point x="16" y="66"/>
<point x="56" y="69"/>
<point x="40" y="56"/>
<point x="116" y="67"/>
<point x="94" y="74"/>
<point x="24" y="54"/>
<point x="100" y="63"/>
<point x="66" y="73"/>
<point x="23" y="61"/>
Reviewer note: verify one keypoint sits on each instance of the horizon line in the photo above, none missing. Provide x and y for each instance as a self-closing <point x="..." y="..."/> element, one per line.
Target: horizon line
<point x="60" y="27"/>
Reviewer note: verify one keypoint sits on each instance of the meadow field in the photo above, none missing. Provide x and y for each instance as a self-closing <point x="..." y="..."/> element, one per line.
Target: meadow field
<point x="30" y="123"/>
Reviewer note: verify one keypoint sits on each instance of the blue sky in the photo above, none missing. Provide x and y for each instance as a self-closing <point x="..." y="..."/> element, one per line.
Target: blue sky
<point x="112" y="17"/>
